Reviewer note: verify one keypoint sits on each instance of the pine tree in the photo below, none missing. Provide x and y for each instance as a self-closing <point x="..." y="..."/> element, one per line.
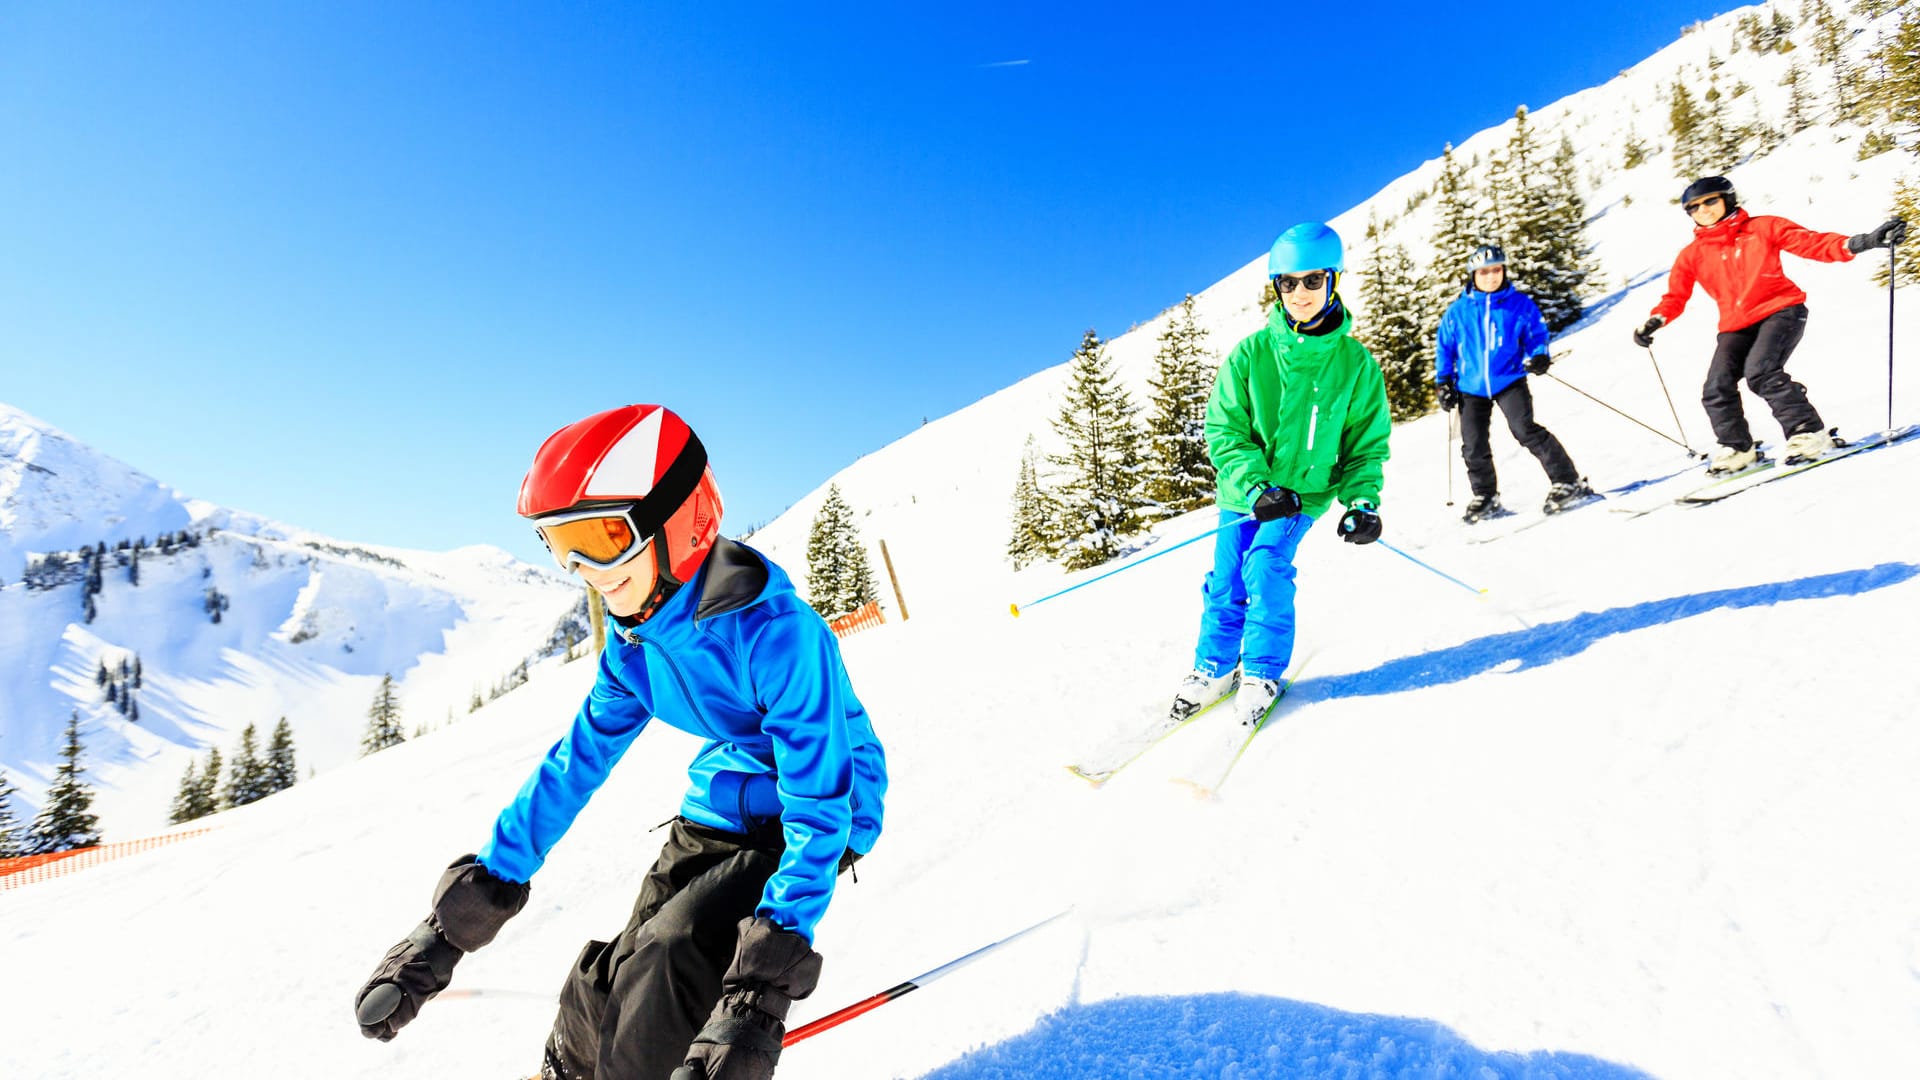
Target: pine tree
<point x="1895" y="93"/>
<point x="207" y="796"/>
<point x="1689" y="129"/>
<point x="1393" y="327"/>
<point x="67" y="820"/>
<point x="1798" y="116"/>
<point x="1030" y="536"/>
<point x="186" y="802"/>
<point x="1906" y="204"/>
<point x="246" y="777"/>
<point x="1455" y="235"/>
<point x="383" y="721"/>
<point x="11" y="845"/>
<point x="281" y="773"/>
<point x="1180" y="477"/>
<point x="1554" y="261"/>
<point x="1100" y="493"/>
<point x="839" y="576"/>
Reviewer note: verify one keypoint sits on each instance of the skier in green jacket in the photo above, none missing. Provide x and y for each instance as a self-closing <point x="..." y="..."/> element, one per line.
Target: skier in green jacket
<point x="1298" y="417"/>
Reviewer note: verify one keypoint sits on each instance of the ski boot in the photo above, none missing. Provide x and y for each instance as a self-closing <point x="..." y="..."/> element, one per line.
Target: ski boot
<point x="1728" y="460"/>
<point x="1199" y="690"/>
<point x="1563" y="496"/>
<point x="1256" y="696"/>
<point x="1483" y="507"/>
<point x="1807" y="446"/>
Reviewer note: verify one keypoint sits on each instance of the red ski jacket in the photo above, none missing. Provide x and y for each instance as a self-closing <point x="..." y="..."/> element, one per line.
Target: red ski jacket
<point x="1737" y="260"/>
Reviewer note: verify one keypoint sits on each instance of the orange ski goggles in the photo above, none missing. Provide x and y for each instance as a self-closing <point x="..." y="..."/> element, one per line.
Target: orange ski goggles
<point x="602" y="537"/>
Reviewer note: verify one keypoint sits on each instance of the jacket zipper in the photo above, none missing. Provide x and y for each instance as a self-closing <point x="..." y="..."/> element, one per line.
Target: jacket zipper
<point x="693" y="704"/>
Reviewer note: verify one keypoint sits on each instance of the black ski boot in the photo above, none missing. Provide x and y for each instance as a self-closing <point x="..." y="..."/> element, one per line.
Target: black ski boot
<point x="1566" y="496"/>
<point x="1484" y="507"/>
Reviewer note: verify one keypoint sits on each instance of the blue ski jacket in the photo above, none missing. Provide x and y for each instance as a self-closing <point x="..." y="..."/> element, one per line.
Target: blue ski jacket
<point x="1485" y="338"/>
<point x="736" y="657"/>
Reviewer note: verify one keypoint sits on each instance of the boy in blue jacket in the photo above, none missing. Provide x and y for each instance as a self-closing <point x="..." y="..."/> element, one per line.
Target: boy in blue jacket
<point x="1490" y="340"/>
<point x="786" y="791"/>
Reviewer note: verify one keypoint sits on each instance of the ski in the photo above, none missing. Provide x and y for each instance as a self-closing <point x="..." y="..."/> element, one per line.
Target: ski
<point x="1662" y="501"/>
<point x="1206" y="775"/>
<point x="1480" y="536"/>
<point x="1752" y="478"/>
<point x="1100" y="766"/>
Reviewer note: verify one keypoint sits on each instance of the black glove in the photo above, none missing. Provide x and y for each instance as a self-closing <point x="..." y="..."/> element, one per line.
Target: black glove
<point x="1360" y="526"/>
<point x="1892" y="231"/>
<point x="1276" y="503"/>
<point x="772" y="968"/>
<point x="1448" y="392"/>
<point x="1643" y="337"/>
<point x="470" y="906"/>
<point x="1538" y="365"/>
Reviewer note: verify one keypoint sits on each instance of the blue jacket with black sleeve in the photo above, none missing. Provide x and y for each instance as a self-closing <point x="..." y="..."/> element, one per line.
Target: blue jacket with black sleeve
<point x="734" y="656"/>
<point x="1485" y="338"/>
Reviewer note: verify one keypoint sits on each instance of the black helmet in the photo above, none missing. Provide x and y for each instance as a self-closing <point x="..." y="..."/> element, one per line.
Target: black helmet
<point x="1486" y="255"/>
<point x="1710" y="185"/>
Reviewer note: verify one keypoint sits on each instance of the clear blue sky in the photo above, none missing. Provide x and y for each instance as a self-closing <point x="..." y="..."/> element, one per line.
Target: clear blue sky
<point x="347" y="264"/>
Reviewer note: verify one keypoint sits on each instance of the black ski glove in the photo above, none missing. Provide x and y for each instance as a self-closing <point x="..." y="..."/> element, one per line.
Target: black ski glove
<point x="1275" y="503"/>
<point x="1643" y="337"/>
<point x="1892" y="231"/>
<point x="1360" y="526"/>
<point x="1448" y="392"/>
<point x="772" y="968"/>
<point x="469" y="907"/>
<point x="1538" y="365"/>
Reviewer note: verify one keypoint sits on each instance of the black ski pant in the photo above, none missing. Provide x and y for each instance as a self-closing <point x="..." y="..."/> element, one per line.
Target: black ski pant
<point x="1758" y="354"/>
<point x="1476" y="445"/>
<point x="631" y="1006"/>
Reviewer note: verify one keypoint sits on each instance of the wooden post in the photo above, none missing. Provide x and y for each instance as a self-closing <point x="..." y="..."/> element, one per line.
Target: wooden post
<point x="895" y="578"/>
<point x="597" y="615"/>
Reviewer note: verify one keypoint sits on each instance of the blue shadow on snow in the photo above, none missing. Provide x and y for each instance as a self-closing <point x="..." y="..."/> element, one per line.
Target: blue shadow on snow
<point x="1570" y="637"/>
<point x="1249" y="1037"/>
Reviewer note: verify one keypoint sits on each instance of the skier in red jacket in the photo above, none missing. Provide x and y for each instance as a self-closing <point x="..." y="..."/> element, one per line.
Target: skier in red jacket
<point x="1736" y="258"/>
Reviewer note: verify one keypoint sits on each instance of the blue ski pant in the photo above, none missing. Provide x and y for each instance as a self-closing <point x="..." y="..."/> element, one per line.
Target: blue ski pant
<point x="1248" y="619"/>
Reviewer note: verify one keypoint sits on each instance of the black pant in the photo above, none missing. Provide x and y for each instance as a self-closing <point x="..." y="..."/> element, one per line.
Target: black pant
<point x="631" y="1006"/>
<point x="1516" y="404"/>
<point x="1758" y="354"/>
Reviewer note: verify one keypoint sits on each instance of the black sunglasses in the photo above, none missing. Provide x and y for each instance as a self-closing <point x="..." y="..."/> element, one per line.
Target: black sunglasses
<point x="1311" y="282"/>
<point x="1702" y="201"/>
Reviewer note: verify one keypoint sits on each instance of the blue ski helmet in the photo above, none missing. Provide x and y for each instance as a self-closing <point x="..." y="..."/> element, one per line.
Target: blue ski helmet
<point x="1305" y="247"/>
<point x="1484" y="256"/>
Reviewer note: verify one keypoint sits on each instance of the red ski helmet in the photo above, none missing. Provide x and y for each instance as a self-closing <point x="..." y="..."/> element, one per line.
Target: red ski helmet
<point x="604" y="489"/>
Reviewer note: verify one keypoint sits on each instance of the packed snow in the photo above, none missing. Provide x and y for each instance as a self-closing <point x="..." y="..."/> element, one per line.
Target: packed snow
<point x="1640" y="808"/>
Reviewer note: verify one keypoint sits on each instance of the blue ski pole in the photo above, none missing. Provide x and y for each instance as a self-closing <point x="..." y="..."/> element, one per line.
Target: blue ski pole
<point x="1424" y="566"/>
<point x="1241" y="520"/>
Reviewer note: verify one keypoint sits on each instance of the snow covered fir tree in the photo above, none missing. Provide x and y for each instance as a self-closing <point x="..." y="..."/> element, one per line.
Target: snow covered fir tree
<point x="1102" y="470"/>
<point x="1179" y="473"/>
<point x="1394" y="329"/>
<point x="12" y="844"/>
<point x="66" y="820"/>
<point x="281" y="772"/>
<point x="1031" y="534"/>
<point x="383" y="720"/>
<point x="839" y="575"/>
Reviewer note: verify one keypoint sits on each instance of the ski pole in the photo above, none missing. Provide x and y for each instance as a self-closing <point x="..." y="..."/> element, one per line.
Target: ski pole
<point x="1241" y="520"/>
<point x="1430" y="569"/>
<point x="1893" y="274"/>
<point x="1453" y="421"/>
<point x="835" y="1019"/>
<point x="1690" y="450"/>
<point x="1677" y="425"/>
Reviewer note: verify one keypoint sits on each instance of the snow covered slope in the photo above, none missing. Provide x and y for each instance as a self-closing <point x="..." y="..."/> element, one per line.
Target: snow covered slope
<point x="305" y="628"/>
<point x="1645" y="809"/>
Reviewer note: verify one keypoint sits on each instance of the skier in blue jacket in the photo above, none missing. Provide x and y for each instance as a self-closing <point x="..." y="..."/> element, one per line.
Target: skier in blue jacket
<point x="786" y="791"/>
<point x="1490" y="340"/>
